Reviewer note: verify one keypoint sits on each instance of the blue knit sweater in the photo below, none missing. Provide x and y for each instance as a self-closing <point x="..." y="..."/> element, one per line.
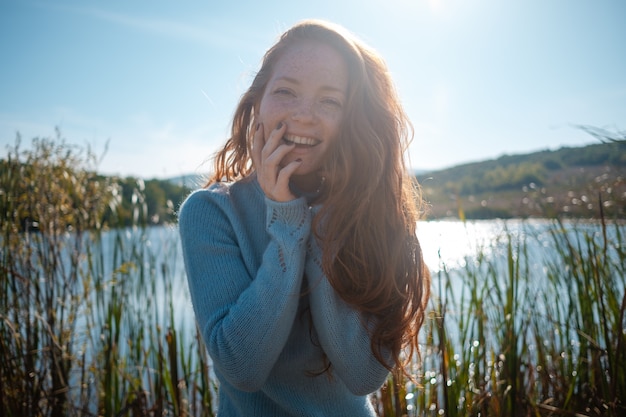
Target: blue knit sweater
<point x="266" y="327"/>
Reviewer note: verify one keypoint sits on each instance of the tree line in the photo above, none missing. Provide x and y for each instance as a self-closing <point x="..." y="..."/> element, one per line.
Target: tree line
<point x="55" y="186"/>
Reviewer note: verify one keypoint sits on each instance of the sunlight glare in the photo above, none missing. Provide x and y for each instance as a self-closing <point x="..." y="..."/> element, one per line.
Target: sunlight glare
<point x="436" y="6"/>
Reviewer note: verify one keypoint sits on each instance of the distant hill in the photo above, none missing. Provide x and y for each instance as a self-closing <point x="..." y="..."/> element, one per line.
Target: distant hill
<point x="585" y="182"/>
<point x="570" y="181"/>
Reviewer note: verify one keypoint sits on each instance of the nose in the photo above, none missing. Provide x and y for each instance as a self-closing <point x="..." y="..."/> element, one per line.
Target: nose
<point x="303" y="111"/>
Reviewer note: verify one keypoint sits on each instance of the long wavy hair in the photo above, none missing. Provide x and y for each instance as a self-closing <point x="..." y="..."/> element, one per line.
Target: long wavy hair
<point x="371" y="255"/>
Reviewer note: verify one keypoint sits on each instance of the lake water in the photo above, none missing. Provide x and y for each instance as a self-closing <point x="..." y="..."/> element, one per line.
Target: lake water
<point x="445" y="244"/>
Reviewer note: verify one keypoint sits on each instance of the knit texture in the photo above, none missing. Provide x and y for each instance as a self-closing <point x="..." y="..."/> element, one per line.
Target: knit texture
<point x="266" y="327"/>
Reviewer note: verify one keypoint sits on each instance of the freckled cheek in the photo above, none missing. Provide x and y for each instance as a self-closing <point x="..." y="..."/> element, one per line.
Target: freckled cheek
<point x="333" y="122"/>
<point x="272" y="113"/>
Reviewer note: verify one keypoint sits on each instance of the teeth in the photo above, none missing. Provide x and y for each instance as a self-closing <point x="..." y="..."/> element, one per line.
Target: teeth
<point x="301" y="140"/>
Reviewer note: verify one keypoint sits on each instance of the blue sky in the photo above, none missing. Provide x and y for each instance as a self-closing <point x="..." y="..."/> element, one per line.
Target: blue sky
<point x="159" y="80"/>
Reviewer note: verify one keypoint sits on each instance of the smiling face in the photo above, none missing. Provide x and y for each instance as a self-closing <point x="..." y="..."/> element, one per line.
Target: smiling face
<point x="307" y="91"/>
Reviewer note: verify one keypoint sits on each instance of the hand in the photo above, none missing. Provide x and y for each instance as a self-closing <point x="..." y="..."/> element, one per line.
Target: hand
<point x="266" y="158"/>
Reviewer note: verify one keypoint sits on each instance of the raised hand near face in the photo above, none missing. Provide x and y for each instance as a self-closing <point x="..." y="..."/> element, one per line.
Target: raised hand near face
<point x="267" y="156"/>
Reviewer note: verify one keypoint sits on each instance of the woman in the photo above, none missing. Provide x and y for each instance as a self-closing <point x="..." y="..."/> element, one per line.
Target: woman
<point x="304" y="269"/>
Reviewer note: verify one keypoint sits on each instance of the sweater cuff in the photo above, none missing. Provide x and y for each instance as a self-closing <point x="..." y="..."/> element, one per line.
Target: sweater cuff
<point x="292" y="213"/>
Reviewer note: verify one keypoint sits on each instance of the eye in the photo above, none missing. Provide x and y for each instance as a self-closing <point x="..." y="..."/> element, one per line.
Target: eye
<point x="283" y="92"/>
<point x="330" y="101"/>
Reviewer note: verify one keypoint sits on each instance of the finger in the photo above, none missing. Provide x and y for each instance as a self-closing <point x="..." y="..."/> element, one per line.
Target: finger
<point x="275" y="149"/>
<point x="275" y="139"/>
<point x="276" y="157"/>
<point x="257" y="145"/>
<point x="284" y="175"/>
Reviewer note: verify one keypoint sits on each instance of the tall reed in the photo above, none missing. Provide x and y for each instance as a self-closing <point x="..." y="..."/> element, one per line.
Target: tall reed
<point x="88" y="321"/>
<point x="533" y="325"/>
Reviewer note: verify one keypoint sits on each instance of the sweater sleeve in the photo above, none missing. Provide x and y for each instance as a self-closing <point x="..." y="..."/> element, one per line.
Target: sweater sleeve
<point x="341" y="331"/>
<point x="245" y="316"/>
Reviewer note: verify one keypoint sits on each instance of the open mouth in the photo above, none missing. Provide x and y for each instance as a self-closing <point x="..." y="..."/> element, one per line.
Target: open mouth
<point x="300" y="140"/>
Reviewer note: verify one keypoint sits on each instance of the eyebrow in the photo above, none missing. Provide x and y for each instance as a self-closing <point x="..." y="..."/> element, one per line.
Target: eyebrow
<point x="324" y="87"/>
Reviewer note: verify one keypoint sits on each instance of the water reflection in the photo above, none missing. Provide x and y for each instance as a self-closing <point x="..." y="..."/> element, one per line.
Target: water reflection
<point x="449" y="243"/>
